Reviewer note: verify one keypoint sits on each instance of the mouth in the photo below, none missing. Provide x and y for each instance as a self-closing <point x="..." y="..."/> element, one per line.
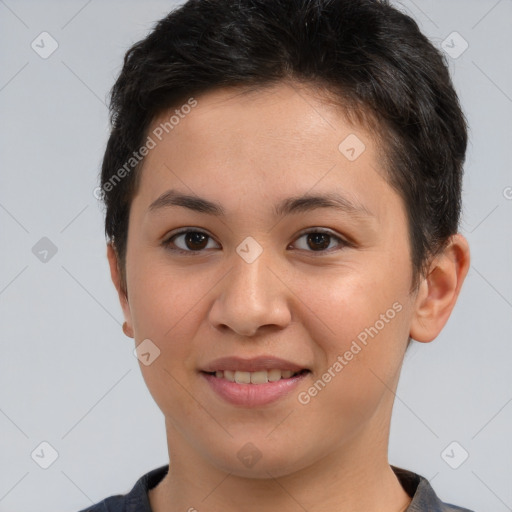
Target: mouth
<point x="253" y="382"/>
<point x="257" y="377"/>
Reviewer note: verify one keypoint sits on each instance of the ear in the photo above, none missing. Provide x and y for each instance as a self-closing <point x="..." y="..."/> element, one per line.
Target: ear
<point x="115" y="274"/>
<point x="439" y="290"/>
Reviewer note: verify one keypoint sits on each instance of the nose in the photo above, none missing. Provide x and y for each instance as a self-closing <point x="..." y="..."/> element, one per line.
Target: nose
<point x="252" y="298"/>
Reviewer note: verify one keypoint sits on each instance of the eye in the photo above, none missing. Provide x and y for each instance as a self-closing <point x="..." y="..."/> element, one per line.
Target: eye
<point x="318" y="240"/>
<point x="191" y="241"/>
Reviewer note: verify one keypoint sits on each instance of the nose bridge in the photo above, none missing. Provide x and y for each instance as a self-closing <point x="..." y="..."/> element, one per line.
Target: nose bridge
<point x="251" y="296"/>
<point x="251" y="280"/>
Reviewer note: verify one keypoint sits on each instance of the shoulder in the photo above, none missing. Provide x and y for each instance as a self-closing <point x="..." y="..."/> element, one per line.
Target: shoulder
<point x="136" y="500"/>
<point x="433" y="503"/>
<point x="453" y="508"/>
<point x="424" y="498"/>
<point x="112" y="504"/>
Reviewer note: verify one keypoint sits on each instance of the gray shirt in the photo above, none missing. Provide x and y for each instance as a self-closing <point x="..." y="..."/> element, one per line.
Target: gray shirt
<point x="424" y="499"/>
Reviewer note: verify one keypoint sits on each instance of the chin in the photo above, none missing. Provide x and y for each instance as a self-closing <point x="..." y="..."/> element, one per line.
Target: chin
<point x="259" y="459"/>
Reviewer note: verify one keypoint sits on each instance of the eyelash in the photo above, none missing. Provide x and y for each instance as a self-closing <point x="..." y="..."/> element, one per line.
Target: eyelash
<point x="168" y="241"/>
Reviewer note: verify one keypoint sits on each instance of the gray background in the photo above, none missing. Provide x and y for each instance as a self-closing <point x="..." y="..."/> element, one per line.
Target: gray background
<point x="67" y="373"/>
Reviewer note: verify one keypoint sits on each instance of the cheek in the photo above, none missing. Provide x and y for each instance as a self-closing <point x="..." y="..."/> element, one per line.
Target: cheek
<point x="352" y="304"/>
<point x="165" y="309"/>
<point x="169" y="377"/>
<point x="161" y="297"/>
<point x="366" y="315"/>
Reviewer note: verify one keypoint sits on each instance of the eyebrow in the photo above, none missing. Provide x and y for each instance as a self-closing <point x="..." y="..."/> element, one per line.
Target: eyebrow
<point x="296" y="204"/>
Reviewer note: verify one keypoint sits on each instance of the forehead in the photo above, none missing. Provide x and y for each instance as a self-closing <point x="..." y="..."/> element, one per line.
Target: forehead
<point x="279" y="118"/>
<point x="263" y="145"/>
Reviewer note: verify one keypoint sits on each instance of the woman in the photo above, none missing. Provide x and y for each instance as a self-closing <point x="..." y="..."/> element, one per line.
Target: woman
<point x="282" y="186"/>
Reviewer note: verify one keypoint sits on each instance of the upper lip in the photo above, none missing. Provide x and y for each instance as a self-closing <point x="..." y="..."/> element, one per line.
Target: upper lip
<point x="252" y="365"/>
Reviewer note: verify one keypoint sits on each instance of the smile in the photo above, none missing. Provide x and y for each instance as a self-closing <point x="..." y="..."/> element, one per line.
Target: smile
<point x="258" y="377"/>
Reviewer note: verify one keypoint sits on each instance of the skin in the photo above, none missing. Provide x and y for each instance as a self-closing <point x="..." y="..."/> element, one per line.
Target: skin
<point x="248" y="152"/>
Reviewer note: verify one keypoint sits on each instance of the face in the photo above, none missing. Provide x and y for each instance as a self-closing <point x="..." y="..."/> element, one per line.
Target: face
<point x="267" y="284"/>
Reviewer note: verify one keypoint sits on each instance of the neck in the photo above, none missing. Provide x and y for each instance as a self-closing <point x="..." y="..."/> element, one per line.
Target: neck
<point x="354" y="477"/>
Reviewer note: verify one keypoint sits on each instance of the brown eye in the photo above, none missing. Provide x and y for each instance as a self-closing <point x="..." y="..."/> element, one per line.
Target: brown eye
<point x="188" y="241"/>
<point x="317" y="240"/>
<point x="194" y="240"/>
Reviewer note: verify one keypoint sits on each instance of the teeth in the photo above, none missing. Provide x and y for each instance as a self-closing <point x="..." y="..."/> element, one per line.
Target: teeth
<point x="243" y="377"/>
<point x="259" y="377"/>
<point x="274" y="375"/>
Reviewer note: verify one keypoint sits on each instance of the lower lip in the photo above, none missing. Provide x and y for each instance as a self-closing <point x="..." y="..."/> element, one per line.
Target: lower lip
<point x="253" y="395"/>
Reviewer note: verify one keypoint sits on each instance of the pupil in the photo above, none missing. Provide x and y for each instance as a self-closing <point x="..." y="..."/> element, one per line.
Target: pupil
<point x="317" y="238"/>
<point x="194" y="237"/>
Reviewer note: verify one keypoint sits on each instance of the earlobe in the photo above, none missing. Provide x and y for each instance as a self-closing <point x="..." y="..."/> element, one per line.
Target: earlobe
<point x="439" y="290"/>
<point x="115" y="274"/>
